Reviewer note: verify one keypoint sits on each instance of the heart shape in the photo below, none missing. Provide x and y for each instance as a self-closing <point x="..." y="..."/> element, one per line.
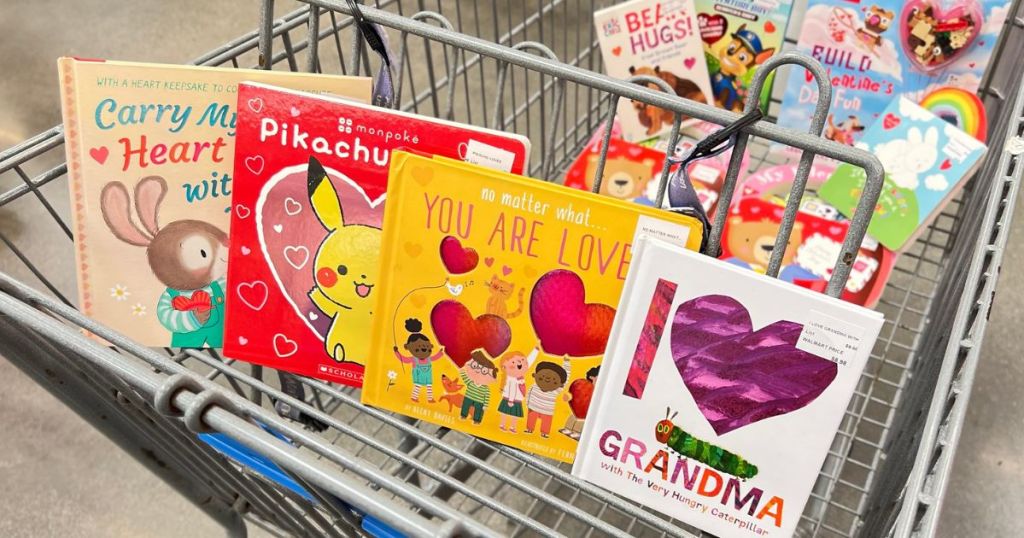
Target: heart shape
<point x="254" y="164"/>
<point x="289" y="251"/>
<point x="890" y="121"/>
<point x="935" y="35"/>
<point x="712" y="27"/>
<point x="242" y="211"/>
<point x="413" y="249"/>
<point x="295" y="112"/>
<point x="506" y="270"/>
<point x="582" y="391"/>
<point x="617" y="51"/>
<point x="255" y="104"/>
<point x="456" y="258"/>
<point x="769" y="27"/>
<point x="253" y="294"/>
<point x="738" y="376"/>
<point x="245" y="250"/>
<point x="199" y="301"/>
<point x="489" y="261"/>
<point x="422" y="175"/>
<point x="689" y="62"/>
<point x="99" y="154"/>
<point x="291" y="207"/>
<point x="461" y="334"/>
<point x="283" y="346"/>
<point x="242" y="340"/>
<point x="564" y="322"/>
<point x="946" y="165"/>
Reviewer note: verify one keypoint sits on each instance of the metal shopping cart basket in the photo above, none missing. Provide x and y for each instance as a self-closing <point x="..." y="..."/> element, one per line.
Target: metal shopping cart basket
<point x="527" y="67"/>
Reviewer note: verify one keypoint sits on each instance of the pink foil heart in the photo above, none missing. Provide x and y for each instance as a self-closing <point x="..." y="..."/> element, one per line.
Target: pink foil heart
<point x="460" y="333"/>
<point x="284" y="200"/>
<point x="564" y="322"/>
<point x="456" y="258"/>
<point x="738" y="376"/>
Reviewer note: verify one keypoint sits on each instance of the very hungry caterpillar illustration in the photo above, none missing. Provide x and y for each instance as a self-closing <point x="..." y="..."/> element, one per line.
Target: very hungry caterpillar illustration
<point x="345" y="270"/>
<point x="691" y="447"/>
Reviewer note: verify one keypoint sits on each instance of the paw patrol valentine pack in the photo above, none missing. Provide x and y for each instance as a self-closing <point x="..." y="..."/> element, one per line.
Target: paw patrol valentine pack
<point x="304" y="271"/>
<point x="721" y="392"/>
<point x="875" y="51"/>
<point x="150" y="150"/>
<point x="497" y="298"/>
<point x="656" y="38"/>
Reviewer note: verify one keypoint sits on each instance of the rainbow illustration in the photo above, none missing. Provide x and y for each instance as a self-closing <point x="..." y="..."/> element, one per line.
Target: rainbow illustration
<point x="959" y="107"/>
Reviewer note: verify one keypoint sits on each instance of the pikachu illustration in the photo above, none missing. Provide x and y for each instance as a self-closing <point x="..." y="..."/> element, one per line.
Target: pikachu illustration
<point x="345" y="271"/>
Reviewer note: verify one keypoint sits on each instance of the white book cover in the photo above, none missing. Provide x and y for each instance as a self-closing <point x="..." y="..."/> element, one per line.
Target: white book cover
<point x="720" y="392"/>
<point x="657" y="38"/>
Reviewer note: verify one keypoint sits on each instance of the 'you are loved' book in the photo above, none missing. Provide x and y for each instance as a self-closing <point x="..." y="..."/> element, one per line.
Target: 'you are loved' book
<point x="312" y="171"/>
<point x="721" y="392"/>
<point x="497" y="297"/>
<point x="150" y="150"/>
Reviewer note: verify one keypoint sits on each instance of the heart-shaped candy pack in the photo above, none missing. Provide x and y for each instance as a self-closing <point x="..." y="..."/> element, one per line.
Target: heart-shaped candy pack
<point x="936" y="33"/>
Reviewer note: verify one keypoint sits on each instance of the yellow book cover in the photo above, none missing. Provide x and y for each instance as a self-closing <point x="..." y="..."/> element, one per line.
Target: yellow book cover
<point x="496" y="299"/>
<point x="150" y="153"/>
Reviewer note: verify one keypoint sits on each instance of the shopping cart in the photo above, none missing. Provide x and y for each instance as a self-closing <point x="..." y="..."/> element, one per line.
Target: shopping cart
<point x="527" y="67"/>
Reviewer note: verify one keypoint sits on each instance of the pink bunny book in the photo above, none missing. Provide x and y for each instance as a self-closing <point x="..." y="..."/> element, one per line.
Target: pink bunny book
<point x="150" y="150"/>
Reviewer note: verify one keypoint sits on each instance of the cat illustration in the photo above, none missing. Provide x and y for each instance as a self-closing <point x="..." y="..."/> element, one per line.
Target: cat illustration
<point x="501" y="292"/>
<point x="452" y="394"/>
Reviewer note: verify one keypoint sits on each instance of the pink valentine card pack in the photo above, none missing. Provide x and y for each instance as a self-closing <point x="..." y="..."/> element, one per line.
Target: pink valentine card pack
<point x="721" y="391"/>
<point x="497" y="300"/>
<point x="656" y="38"/>
<point x="150" y="150"/>
<point x="304" y="270"/>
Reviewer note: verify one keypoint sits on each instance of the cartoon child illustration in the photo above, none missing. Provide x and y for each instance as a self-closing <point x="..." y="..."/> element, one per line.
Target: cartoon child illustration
<point x="421" y="360"/>
<point x="578" y="396"/>
<point x="513" y="368"/>
<point x="549" y="379"/>
<point x="187" y="256"/>
<point x="741" y="55"/>
<point x="345" y="271"/>
<point x="477" y="374"/>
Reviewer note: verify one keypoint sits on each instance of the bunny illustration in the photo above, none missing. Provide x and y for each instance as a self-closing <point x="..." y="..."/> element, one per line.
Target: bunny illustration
<point x="905" y="159"/>
<point x="345" y="271"/>
<point x="187" y="256"/>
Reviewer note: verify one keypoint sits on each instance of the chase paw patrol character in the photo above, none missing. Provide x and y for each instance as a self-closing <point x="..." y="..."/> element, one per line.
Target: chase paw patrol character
<point x="742" y="54"/>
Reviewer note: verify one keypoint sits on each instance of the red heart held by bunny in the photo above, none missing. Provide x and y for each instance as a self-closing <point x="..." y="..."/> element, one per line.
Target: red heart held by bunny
<point x="564" y="322"/>
<point x="456" y="258"/>
<point x="461" y="334"/>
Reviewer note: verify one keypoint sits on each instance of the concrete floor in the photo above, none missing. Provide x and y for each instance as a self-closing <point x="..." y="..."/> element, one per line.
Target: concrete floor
<point x="61" y="478"/>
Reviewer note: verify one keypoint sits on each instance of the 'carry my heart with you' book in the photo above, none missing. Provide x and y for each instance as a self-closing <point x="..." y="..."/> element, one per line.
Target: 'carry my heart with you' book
<point x="721" y="392"/>
<point x="497" y="297"/>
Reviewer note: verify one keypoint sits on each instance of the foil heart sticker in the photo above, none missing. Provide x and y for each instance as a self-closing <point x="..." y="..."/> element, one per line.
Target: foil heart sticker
<point x="289" y="252"/>
<point x="460" y="333"/>
<point x="564" y="322"/>
<point x="738" y="376"/>
<point x="456" y="258"/>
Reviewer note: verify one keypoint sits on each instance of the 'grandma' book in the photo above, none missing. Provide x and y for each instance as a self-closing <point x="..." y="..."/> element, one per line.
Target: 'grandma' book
<point x="721" y="392"/>
<point x="304" y="265"/>
<point x="497" y="297"/>
<point x="150" y="150"/>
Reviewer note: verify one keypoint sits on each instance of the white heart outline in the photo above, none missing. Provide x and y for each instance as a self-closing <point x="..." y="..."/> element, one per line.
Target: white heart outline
<point x="292" y="343"/>
<point x="255" y="104"/>
<point x="257" y="170"/>
<point x="262" y="200"/>
<point x="296" y="248"/>
<point x="297" y="204"/>
<point x="242" y="211"/>
<point x="250" y="285"/>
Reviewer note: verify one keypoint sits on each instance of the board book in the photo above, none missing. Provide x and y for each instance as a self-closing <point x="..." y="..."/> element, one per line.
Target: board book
<point x="926" y="161"/>
<point x="721" y="392"/>
<point x="150" y="150"/>
<point x="494" y="311"/>
<point x="303" y="270"/>
<point x="656" y="38"/>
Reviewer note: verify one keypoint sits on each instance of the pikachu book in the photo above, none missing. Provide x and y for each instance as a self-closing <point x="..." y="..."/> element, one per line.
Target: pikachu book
<point x="150" y="150"/>
<point x="303" y="271"/>
<point x="495" y="307"/>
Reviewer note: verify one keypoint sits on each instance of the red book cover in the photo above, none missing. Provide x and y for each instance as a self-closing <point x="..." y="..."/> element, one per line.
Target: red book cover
<point x="309" y="194"/>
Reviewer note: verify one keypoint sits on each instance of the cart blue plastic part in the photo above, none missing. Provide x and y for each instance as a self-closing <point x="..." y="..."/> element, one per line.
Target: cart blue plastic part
<point x="255" y="461"/>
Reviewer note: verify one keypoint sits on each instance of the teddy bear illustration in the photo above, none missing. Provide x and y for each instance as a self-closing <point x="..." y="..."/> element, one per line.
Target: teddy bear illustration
<point x="905" y="159"/>
<point x="188" y="256"/>
<point x="345" y="271"/>
<point x="623" y="178"/>
<point x="876" y="22"/>
<point x="654" y="118"/>
<point x="751" y="243"/>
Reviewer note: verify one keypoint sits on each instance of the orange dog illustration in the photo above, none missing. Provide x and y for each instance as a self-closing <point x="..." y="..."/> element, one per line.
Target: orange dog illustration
<point x="452" y="394"/>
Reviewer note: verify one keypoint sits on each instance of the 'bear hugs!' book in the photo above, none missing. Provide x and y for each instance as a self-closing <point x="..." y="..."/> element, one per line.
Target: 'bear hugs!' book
<point x="721" y="392"/>
<point x="304" y="271"/>
<point x="150" y="150"/>
<point x="495" y="308"/>
<point x="656" y="38"/>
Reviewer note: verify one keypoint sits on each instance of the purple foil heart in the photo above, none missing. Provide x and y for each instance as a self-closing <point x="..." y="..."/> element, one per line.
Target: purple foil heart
<point x="739" y="376"/>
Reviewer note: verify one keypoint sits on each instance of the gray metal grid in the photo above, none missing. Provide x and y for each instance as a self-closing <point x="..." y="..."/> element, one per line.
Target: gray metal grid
<point x="886" y="470"/>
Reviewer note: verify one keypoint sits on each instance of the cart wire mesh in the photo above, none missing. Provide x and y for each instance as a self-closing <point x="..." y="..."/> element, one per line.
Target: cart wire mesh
<point x="491" y="64"/>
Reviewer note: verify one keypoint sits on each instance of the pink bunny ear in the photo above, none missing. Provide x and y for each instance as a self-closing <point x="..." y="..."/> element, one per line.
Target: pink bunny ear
<point x="114" y="204"/>
<point x="148" y="194"/>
